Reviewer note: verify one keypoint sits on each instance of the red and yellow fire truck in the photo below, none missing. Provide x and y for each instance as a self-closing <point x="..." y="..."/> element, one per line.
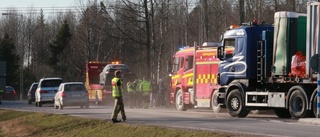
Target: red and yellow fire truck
<point x="95" y="89"/>
<point x="99" y="76"/>
<point x="199" y="63"/>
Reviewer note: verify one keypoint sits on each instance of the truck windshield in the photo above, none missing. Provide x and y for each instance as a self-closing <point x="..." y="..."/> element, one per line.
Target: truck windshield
<point x="228" y="47"/>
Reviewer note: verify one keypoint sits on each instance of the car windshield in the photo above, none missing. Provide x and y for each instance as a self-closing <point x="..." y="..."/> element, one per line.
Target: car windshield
<point x="119" y="67"/>
<point x="122" y="68"/>
<point x="51" y="83"/>
<point x="74" y="87"/>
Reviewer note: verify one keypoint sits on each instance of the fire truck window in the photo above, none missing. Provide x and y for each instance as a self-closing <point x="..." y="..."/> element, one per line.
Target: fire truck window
<point x="175" y="64"/>
<point x="190" y="62"/>
<point x="182" y="62"/>
<point x="229" y="47"/>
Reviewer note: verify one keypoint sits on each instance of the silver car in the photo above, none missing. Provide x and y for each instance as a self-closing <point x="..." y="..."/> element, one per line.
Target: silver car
<point x="71" y="94"/>
<point x="46" y="90"/>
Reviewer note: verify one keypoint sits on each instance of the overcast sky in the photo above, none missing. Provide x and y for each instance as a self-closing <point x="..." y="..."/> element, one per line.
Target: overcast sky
<point x="36" y="3"/>
<point x="48" y="6"/>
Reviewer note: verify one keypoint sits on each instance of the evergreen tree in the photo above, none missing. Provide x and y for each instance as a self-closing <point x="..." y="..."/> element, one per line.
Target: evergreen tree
<point x="57" y="49"/>
<point x="7" y="53"/>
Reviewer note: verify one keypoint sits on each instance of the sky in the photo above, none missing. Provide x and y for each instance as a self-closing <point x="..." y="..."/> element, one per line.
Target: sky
<point x="46" y="5"/>
<point x="36" y="3"/>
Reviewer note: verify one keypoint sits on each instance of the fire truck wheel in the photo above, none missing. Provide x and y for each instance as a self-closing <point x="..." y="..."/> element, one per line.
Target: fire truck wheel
<point x="235" y="105"/>
<point x="297" y="104"/>
<point x="179" y="101"/>
<point x="214" y="102"/>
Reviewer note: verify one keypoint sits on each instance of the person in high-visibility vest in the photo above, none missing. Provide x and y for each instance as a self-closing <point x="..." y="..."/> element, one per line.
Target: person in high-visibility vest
<point x="138" y="93"/>
<point x="131" y="90"/>
<point x="117" y="94"/>
<point x="145" y="88"/>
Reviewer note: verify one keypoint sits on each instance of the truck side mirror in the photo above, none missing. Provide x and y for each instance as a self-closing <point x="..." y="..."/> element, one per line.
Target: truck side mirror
<point x="219" y="53"/>
<point x="169" y="65"/>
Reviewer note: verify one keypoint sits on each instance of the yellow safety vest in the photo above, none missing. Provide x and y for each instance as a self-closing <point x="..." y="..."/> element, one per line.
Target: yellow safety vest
<point x="130" y="87"/>
<point x="115" y="91"/>
<point x="138" y="82"/>
<point x="145" y="87"/>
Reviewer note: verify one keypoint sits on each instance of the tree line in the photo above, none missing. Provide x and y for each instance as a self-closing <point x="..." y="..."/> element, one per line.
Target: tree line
<point x="143" y="34"/>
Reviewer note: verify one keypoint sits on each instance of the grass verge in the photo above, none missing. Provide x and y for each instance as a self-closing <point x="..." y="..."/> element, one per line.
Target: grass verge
<point x="18" y="123"/>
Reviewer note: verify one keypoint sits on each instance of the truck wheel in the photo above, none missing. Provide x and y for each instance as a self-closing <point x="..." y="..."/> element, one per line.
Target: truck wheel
<point x="235" y="104"/>
<point x="179" y="101"/>
<point x="214" y="102"/>
<point x="297" y="104"/>
<point x="282" y="113"/>
<point x="314" y="105"/>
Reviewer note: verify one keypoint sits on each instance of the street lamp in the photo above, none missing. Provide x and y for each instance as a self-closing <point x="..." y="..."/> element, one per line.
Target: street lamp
<point x="22" y="56"/>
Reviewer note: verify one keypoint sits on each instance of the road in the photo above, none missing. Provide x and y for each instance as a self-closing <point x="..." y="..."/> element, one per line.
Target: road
<point x="259" y="125"/>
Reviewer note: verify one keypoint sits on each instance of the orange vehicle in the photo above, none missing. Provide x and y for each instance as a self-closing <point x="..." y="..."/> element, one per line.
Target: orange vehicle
<point x="95" y="90"/>
<point x="199" y="63"/>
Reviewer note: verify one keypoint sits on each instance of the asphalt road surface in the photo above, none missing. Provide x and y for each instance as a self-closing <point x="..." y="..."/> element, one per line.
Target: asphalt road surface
<point x="266" y="124"/>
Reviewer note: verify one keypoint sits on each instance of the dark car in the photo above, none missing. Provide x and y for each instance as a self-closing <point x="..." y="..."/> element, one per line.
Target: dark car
<point x="9" y="94"/>
<point x="31" y="92"/>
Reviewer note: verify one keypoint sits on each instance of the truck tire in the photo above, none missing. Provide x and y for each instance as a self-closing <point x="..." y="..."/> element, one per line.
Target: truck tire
<point x="214" y="102"/>
<point x="179" y="101"/>
<point x="297" y="104"/>
<point x="282" y="113"/>
<point x="235" y="104"/>
<point x="314" y="106"/>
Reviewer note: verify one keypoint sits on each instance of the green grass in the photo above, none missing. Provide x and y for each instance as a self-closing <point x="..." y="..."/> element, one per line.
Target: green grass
<point x="17" y="123"/>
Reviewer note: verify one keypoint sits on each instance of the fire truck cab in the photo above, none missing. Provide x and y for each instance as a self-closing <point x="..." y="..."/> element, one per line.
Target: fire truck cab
<point x="194" y="77"/>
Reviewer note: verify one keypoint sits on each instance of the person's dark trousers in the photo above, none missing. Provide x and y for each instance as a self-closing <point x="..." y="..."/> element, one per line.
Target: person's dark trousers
<point x="118" y="107"/>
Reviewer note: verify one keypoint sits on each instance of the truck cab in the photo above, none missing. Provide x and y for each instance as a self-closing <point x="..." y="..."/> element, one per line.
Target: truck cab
<point x="244" y="41"/>
<point x="259" y="75"/>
